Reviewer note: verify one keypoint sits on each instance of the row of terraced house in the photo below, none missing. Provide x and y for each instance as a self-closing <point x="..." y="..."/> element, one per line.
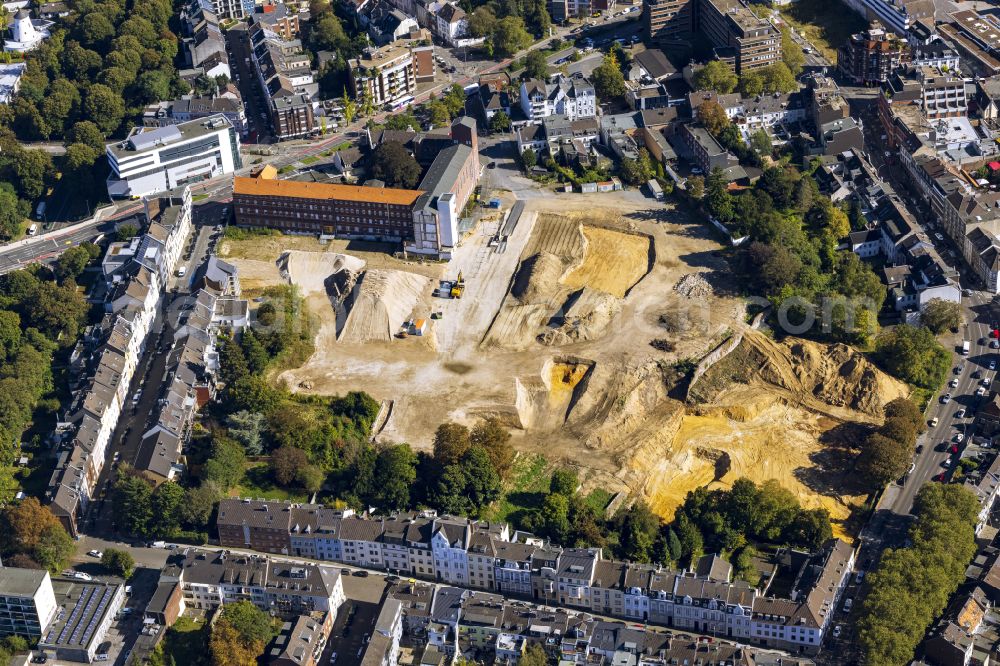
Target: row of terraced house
<point x="108" y="357"/>
<point x="488" y="556"/>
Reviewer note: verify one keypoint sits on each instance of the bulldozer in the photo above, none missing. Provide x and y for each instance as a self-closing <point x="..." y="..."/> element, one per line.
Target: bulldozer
<point x="458" y="287"/>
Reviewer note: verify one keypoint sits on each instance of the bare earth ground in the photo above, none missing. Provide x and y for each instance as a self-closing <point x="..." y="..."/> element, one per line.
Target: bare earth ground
<point x="559" y="347"/>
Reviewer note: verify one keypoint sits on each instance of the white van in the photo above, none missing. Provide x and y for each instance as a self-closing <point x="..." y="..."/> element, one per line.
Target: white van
<point x="33" y="229"/>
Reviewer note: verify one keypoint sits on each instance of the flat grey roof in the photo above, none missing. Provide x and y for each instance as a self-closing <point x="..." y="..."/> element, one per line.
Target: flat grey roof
<point x="144" y="139"/>
<point x="17" y="582"/>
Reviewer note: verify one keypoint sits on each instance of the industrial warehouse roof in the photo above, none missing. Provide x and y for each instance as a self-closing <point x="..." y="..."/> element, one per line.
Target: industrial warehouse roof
<point x="299" y="190"/>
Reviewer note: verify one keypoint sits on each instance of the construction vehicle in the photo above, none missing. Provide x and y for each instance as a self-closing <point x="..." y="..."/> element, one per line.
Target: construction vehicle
<point x="458" y="286"/>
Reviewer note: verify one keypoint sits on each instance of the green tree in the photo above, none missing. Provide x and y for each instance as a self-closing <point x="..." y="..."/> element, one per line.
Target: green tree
<point x="437" y="113"/>
<point x="226" y="463"/>
<point x="713" y="117"/>
<point x="528" y="159"/>
<point x="395" y="472"/>
<point x="394" y="165"/>
<point x="232" y="362"/>
<point x="250" y="623"/>
<point x="751" y="84"/>
<point x="254" y="352"/>
<point x="54" y="549"/>
<point x="509" y="36"/>
<point x="760" y="141"/>
<point x="286" y="463"/>
<point x="791" y="53"/>
<point x="104" y="108"/>
<point x="534" y="655"/>
<point x="490" y="435"/>
<point x="696" y="187"/>
<point x="940" y="315"/>
<point x="564" y="481"/>
<point x="482" y="480"/>
<point x="12" y="214"/>
<point x="253" y="393"/>
<point x="482" y="22"/>
<point x="71" y="263"/>
<point x="200" y="503"/>
<point x="553" y="517"/>
<point x="118" y="562"/>
<point x="33" y="169"/>
<point x="10" y="334"/>
<point x="348" y="108"/>
<point x="95" y="29"/>
<point x="133" y="502"/>
<point x="778" y="78"/>
<point x="247" y="428"/>
<point x="152" y="86"/>
<point x="883" y="459"/>
<point x="609" y="83"/>
<point x="86" y="132"/>
<point x="167" y="503"/>
<point x="906" y="409"/>
<point x="451" y="442"/>
<point x="717" y="76"/>
<point x="912" y="354"/>
<point x="536" y="66"/>
<point x="500" y="122"/>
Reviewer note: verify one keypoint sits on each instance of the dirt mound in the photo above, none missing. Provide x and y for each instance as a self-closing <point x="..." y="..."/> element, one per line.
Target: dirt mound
<point x="310" y="270"/>
<point x="537" y="278"/>
<point x="693" y="285"/>
<point x="819" y="376"/>
<point x="613" y="261"/>
<point x="546" y="402"/>
<point x="586" y="316"/>
<point x="379" y="304"/>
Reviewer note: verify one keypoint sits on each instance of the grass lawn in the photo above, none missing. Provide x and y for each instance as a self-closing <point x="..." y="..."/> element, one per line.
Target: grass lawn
<point x="825" y="23"/>
<point x="529" y="482"/>
<point x="257" y="483"/>
<point x="598" y="500"/>
<point x="187" y="641"/>
<point x="309" y="159"/>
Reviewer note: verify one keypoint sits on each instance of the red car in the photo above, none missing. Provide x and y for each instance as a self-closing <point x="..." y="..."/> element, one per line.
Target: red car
<point x="939" y="477"/>
<point x="953" y="449"/>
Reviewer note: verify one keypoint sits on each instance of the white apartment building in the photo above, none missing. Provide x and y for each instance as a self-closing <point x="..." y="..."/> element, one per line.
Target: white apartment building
<point x="169" y="218"/>
<point x="450" y="547"/>
<point x="27" y="602"/>
<point x="570" y="97"/>
<point x="153" y="160"/>
<point x="386" y="74"/>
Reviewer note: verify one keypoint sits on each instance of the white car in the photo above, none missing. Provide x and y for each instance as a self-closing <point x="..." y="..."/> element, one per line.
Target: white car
<point x="96" y="553"/>
<point x="960" y="414"/>
<point x="959" y="438"/>
<point x="934" y="421"/>
<point x="980" y="392"/>
<point x="836" y="631"/>
<point x="939" y="237"/>
<point x="953" y="383"/>
<point x="986" y="381"/>
<point x="79" y="575"/>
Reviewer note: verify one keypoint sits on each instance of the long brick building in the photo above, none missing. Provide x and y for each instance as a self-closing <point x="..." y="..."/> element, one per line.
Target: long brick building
<point x="424" y="220"/>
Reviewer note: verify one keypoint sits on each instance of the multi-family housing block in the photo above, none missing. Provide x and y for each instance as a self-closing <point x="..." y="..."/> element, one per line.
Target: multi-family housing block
<point x="740" y="38"/>
<point x="487" y="556"/>
<point x="572" y="98"/>
<point x="136" y="272"/>
<point x="871" y="56"/>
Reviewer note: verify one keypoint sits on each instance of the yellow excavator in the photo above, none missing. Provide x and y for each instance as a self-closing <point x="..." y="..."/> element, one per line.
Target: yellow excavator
<point x="458" y="286"/>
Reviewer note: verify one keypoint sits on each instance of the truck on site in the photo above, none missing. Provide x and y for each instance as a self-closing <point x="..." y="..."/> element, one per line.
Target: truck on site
<point x="965" y="348"/>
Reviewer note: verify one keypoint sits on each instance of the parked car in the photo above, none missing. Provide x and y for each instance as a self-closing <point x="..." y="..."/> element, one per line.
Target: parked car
<point x="946" y="398"/>
<point x="96" y="553"/>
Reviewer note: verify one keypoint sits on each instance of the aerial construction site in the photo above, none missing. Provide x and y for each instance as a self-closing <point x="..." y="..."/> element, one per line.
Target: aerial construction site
<point x="574" y="331"/>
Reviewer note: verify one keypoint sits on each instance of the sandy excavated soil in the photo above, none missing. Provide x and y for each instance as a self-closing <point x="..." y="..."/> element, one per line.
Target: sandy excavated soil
<point x="767" y="411"/>
<point x="570" y="283"/>
<point x="553" y="336"/>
